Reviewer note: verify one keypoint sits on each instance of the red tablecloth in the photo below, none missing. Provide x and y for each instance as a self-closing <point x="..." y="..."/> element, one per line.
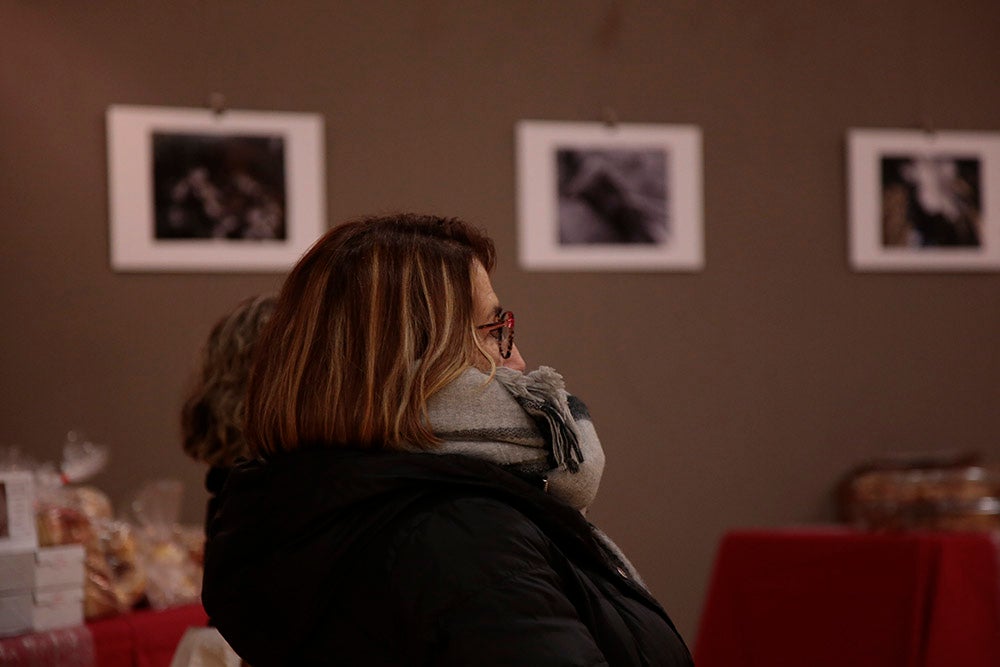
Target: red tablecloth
<point x="143" y="638"/>
<point x="837" y="598"/>
<point x="65" y="647"/>
<point x="139" y="639"/>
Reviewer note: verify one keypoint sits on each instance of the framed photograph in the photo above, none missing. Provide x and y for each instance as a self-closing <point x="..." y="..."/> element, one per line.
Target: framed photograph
<point x="922" y="201"/>
<point x="599" y="197"/>
<point x="199" y="190"/>
<point x="17" y="511"/>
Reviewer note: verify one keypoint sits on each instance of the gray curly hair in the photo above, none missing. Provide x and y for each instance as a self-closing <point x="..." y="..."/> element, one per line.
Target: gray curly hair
<point x="213" y="413"/>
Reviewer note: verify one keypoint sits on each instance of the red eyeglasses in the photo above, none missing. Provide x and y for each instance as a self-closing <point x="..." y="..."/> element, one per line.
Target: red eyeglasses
<point x="503" y="331"/>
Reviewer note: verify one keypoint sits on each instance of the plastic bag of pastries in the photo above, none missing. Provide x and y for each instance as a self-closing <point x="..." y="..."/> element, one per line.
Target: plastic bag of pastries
<point x="114" y="578"/>
<point x="171" y="554"/>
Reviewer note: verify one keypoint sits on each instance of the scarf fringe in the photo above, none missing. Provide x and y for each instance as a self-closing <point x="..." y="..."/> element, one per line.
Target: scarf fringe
<point x="542" y="394"/>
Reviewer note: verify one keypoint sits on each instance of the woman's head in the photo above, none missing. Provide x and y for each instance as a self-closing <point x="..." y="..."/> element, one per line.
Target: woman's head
<point x="213" y="414"/>
<point x="373" y="320"/>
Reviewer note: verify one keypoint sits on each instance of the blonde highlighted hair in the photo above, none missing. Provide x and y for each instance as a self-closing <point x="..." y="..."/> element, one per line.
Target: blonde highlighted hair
<point x="373" y="320"/>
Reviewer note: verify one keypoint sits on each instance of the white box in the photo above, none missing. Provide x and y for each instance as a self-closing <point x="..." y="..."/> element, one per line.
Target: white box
<point x="16" y="613"/>
<point x="57" y="608"/>
<point x="60" y="566"/>
<point x="41" y="589"/>
<point x="46" y="567"/>
<point x="17" y="571"/>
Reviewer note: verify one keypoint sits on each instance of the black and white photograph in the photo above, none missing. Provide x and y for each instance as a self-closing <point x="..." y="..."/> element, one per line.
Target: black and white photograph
<point x="621" y="197"/>
<point x="219" y="186"/>
<point x="612" y="196"/>
<point x="213" y="191"/>
<point x="922" y="201"/>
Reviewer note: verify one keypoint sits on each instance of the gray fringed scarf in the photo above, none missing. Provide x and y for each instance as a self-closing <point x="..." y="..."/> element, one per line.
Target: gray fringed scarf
<point x="529" y="424"/>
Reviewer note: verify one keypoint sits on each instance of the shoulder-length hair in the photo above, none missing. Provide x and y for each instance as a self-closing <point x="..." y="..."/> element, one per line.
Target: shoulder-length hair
<point x="373" y="320"/>
<point x="213" y="413"/>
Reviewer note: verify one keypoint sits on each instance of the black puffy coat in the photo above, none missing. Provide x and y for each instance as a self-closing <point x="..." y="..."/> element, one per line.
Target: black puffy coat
<point x="342" y="557"/>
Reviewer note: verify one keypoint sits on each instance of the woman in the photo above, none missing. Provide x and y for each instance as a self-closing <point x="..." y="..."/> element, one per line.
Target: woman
<point x="416" y="498"/>
<point x="213" y="413"/>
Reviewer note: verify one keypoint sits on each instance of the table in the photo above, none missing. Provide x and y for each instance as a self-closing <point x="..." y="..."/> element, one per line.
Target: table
<point x="145" y="638"/>
<point x="838" y="597"/>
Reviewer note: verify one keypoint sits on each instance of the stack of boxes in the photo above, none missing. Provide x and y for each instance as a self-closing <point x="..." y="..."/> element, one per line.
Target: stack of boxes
<point x="40" y="588"/>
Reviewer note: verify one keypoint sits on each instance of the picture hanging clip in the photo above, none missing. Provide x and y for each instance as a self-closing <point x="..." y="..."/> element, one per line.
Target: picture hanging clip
<point x="610" y="118"/>
<point x="217" y="103"/>
<point x="928" y="127"/>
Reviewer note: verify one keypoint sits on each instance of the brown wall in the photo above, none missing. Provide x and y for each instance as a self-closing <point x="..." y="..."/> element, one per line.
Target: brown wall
<point x="731" y="397"/>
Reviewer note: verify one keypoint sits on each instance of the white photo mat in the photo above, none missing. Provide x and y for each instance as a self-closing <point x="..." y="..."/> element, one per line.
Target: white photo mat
<point x="540" y="247"/>
<point x="134" y="245"/>
<point x="873" y="247"/>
